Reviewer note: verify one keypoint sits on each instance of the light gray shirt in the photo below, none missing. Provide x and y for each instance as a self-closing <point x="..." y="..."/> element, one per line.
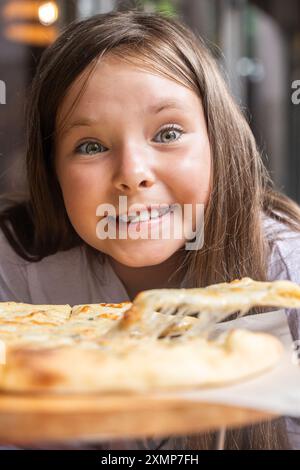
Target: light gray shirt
<point x="66" y="277"/>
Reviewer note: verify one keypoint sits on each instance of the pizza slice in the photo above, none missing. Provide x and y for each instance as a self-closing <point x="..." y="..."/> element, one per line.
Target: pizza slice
<point x="210" y="304"/>
<point x="21" y="313"/>
<point x="106" y="318"/>
<point x="42" y="327"/>
<point x="34" y="336"/>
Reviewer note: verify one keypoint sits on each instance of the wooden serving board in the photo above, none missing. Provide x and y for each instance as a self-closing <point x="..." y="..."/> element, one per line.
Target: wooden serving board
<point x="26" y="419"/>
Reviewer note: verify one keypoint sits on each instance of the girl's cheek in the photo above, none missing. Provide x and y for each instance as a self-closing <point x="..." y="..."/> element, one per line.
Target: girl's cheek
<point x="190" y="177"/>
<point x="82" y="186"/>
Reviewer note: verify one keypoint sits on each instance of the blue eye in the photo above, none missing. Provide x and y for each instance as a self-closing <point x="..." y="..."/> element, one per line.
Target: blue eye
<point x="170" y="133"/>
<point x="89" y="148"/>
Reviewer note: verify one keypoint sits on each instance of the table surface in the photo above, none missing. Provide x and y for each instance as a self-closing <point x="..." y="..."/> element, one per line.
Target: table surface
<point x="30" y="418"/>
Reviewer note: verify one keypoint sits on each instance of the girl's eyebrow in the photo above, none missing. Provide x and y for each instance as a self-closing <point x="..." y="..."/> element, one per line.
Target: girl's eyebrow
<point x="167" y="104"/>
<point x="153" y="109"/>
<point x="82" y="122"/>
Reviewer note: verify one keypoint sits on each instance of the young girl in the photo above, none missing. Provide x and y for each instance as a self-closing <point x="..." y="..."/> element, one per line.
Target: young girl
<point x="133" y="104"/>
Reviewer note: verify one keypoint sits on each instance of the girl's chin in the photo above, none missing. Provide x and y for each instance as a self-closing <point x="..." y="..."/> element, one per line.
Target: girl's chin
<point x="143" y="256"/>
<point x="139" y="261"/>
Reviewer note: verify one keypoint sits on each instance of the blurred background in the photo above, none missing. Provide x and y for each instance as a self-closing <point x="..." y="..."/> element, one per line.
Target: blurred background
<point x="257" y="43"/>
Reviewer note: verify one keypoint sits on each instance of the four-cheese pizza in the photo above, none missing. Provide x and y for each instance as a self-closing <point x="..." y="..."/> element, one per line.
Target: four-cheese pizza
<point x="160" y="341"/>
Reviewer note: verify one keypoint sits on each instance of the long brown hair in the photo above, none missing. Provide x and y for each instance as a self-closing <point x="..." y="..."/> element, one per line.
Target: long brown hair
<point x="242" y="191"/>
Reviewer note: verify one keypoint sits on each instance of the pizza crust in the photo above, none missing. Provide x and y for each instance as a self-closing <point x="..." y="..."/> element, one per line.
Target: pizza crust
<point x="135" y="366"/>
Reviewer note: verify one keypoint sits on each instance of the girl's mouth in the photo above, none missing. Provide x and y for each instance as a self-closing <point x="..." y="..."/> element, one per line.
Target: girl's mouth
<point x="142" y="218"/>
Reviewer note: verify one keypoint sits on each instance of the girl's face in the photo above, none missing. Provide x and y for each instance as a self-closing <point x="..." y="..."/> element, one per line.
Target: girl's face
<point x="118" y="142"/>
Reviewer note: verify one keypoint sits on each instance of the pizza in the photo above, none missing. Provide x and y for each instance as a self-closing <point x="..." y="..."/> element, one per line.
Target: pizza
<point x="160" y="341"/>
<point x="214" y="303"/>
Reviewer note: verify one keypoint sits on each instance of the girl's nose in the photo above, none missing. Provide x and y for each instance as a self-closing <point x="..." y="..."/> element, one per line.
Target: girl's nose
<point x="133" y="171"/>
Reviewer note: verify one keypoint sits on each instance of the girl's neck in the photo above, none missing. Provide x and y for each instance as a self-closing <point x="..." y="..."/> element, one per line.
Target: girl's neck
<point x="149" y="277"/>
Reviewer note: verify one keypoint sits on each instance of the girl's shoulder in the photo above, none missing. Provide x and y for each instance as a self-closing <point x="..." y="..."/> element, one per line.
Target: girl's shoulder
<point x="284" y="258"/>
<point x="13" y="274"/>
<point x="10" y="255"/>
<point x="284" y="263"/>
<point x="72" y="276"/>
<point x="44" y="281"/>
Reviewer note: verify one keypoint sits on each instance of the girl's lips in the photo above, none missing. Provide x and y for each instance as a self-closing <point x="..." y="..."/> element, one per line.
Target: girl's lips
<point x="152" y="209"/>
<point x="143" y="223"/>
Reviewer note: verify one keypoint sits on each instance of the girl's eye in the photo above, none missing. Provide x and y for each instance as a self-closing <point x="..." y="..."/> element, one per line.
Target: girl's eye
<point x="89" y="148"/>
<point x="169" y="134"/>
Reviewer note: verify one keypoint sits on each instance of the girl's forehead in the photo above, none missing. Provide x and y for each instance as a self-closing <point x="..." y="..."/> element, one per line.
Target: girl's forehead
<point x="111" y="74"/>
<point x="113" y="83"/>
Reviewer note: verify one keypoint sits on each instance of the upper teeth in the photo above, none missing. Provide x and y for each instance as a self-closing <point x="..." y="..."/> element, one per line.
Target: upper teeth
<point x="144" y="215"/>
